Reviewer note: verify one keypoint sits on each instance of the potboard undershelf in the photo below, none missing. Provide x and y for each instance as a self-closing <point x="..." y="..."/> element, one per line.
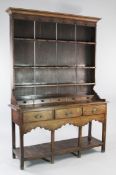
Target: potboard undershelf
<point x="60" y="147"/>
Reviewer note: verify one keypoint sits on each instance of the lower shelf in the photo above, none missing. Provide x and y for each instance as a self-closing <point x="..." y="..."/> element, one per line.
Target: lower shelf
<point x="60" y="147"/>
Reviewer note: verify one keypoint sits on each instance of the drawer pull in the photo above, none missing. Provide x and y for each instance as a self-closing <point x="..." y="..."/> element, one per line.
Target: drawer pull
<point x="38" y="116"/>
<point x="68" y="114"/>
<point x="94" y="110"/>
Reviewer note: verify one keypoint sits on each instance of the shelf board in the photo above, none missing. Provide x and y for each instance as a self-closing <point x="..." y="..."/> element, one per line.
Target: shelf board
<point x="76" y="84"/>
<point x="23" y="66"/>
<point x="61" y="147"/>
<point x="22" y="38"/>
<point x="86" y="42"/>
<point x="54" y="66"/>
<point x="52" y="85"/>
<point x="58" y="41"/>
<point x="36" y="97"/>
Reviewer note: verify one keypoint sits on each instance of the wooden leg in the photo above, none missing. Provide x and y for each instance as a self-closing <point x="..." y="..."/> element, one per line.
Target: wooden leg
<point x="13" y="140"/>
<point x="21" y="149"/>
<point x="89" y="131"/>
<point x="103" y="136"/>
<point x="52" y="146"/>
<point x="79" y="140"/>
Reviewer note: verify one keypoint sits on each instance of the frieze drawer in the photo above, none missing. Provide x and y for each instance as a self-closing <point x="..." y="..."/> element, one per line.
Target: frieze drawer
<point x="37" y="116"/>
<point x="68" y="112"/>
<point x="94" y="109"/>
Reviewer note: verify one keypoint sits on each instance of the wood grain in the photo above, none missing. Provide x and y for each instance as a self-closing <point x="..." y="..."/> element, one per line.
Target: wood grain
<point x="58" y="123"/>
<point x="37" y="116"/>
<point x="60" y="147"/>
<point x="54" y="76"/>
<point x="94" y="109"/>
<point x="68" y="112"/>
<point x="50" y="14"/>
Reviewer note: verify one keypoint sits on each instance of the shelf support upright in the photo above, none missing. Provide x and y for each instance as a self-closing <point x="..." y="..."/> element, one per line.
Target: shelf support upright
<point x="21" y="142"/>
<point x="79" y="140"/>
<point x="52" y="146"/>
<point x="103" y="135"/>
<point x="90" y="131"/>
<point x="13" y="139"/>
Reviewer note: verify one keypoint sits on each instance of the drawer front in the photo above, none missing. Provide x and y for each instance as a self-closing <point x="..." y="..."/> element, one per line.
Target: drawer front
<point x="37" y="116"/>
<point x="68" y="112"/>
<point x="94" y="109"/>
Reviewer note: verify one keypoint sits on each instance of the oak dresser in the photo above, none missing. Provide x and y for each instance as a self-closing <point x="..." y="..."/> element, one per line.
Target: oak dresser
<point x="53" y="81"/>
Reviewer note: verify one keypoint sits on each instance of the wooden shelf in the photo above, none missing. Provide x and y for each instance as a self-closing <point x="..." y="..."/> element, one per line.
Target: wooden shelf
<point x="86" y="42"/>
<point x="53" y="85"/>
<point x="54" y="66"/>
<point x="61" y="147"/>
<point x="22" y="38"/>
<point x="58" y="41"/>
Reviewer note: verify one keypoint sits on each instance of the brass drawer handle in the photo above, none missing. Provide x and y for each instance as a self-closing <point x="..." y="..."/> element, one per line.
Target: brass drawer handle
<point x="94" y="110"/>
<point x="38" y="116"/>
<point x="68" y="114"/>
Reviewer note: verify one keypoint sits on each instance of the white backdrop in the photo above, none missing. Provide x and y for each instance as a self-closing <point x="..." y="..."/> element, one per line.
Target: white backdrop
<point x="105" y="87"/>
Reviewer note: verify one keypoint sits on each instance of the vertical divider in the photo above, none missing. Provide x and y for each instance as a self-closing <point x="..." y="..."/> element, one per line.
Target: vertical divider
<point x="57" y="56"/>
<point x="76" y="56"/>
<point x="34" y="57"/>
